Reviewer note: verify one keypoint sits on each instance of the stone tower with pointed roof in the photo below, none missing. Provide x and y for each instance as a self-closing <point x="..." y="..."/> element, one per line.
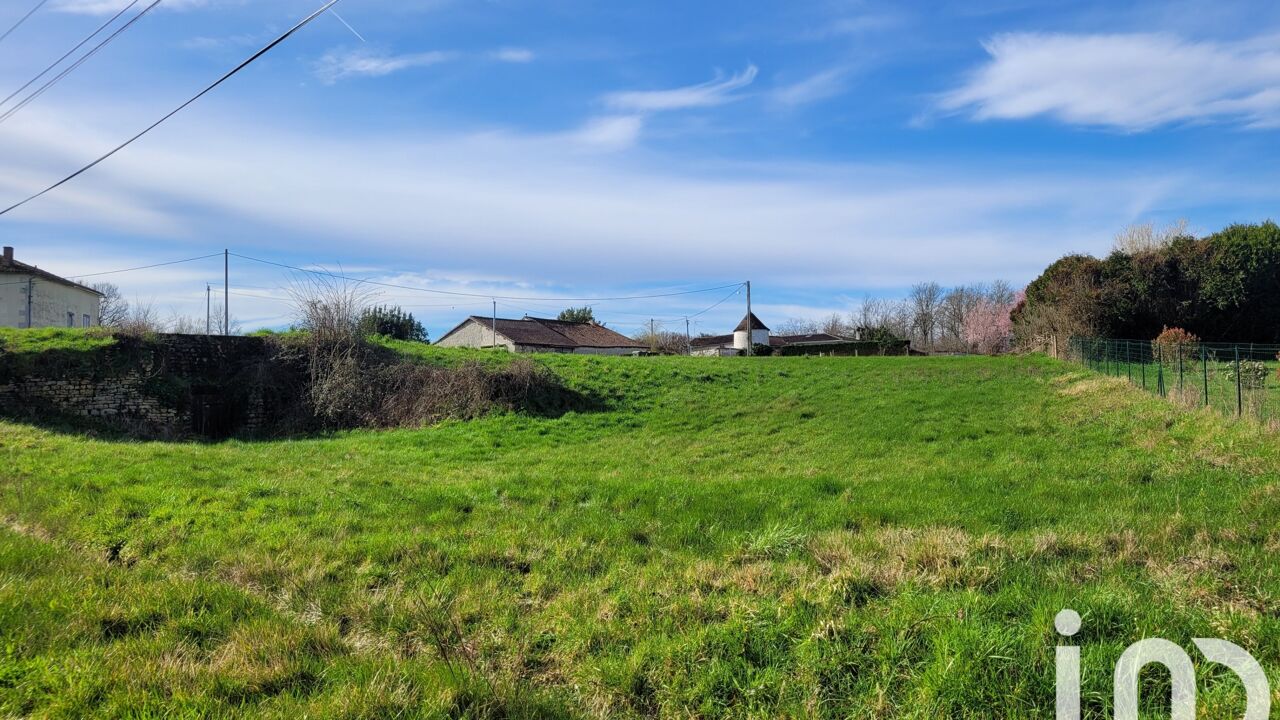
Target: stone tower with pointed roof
<point x="759" y="333"/>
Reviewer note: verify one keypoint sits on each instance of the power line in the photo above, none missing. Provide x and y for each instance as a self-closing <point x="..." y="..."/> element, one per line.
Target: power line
<point x="69" y="53"/>
<point x="270" y="46"/>
<point x="736" y="289"/>
<point x="338" y="276"/>
<point x="23" y="19"/>
<point x="144" y="267"/>
<point x="72" y="68"/>
<point x="713" y="307"/>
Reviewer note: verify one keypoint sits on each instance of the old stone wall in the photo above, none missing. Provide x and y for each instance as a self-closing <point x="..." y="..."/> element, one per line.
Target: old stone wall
<point x="170" y="385"/>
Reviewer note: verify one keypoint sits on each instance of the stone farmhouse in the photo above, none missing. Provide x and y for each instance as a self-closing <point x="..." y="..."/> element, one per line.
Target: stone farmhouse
<point x="35" y="298"/>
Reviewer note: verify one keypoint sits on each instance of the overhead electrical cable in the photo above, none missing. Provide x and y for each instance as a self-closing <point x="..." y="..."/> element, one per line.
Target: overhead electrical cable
<point x="70" y="52"/>
<point x="22" y="20"/>
<point x="73" y="66"/>
<point x="144" y="267"/>
<point x="365" y="281"/>
<point x="270" y="46"/>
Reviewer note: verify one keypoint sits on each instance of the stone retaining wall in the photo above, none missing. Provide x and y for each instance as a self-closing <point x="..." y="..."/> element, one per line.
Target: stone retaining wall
<point x="170" y="385"/>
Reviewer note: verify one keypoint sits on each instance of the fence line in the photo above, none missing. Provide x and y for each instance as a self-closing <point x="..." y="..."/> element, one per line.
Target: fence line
<point x="1240" y="379"/>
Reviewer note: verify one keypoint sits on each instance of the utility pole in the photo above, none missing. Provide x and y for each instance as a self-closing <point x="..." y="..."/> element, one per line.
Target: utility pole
<point x="31" y="287"/>
<point x="226" y="292"/>
<point x="208" y="309"/>
<point x="653" y="338"/>
<point x="749" y="323"/>
<point x="688" y="341"/>
<point x="495" y="323"/>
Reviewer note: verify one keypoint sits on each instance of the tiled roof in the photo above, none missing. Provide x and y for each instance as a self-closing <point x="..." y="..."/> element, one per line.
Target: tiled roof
<point x="20" y="268"/>
<point x="711" y="341"/>
<point x="806" y="339"/>
<point x="555" y="333"/>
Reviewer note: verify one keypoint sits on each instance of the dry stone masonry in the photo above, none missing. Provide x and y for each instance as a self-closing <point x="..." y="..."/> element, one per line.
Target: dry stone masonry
<point x="166" y="385"/>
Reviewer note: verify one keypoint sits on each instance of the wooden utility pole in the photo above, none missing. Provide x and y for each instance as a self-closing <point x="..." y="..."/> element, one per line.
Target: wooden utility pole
<point x="749" y="323"/>
<point x="208" y="309"/>
<point x="31" y="287"/>
<point x="495" y="323"/>
<point x="688" y="341"/>
<point x="226" y="292"/>
<point x="653" y="338"/>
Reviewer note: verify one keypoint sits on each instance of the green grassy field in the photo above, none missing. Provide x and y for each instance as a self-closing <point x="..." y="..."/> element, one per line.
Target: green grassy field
<point x="836" y="537"/>
<point x="1204" y="384"/>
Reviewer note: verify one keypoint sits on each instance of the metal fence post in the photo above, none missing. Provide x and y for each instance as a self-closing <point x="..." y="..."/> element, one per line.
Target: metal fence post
<point x="1128" y="361"/>
<point x="1239" y="385"/>
<point x="1204" y="368"/>
<point x="1180" y="391"/>
<point x="1144" y="373"/>
<point x="1160" y="369"/>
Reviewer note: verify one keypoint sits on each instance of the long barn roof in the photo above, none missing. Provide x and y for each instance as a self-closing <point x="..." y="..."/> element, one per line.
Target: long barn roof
<point x="553" y="333"/>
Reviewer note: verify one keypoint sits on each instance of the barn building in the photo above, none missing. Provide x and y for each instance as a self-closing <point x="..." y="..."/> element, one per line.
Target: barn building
<point x="530" y="334"/>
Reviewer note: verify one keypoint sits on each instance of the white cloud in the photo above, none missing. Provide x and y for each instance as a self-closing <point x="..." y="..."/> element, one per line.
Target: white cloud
<point x="612" y="132"/>
<point x="818" y="86"/>
<point x="1132" y="82"/>
<point x="709" y="94"/>
<point x="340" y="65"/>
<point x="513" y="55"/>
<point x="535" y="207"/>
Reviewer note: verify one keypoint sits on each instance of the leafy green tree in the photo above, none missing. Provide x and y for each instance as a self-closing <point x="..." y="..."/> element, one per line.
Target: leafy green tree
<point x="577" y="314"/>
<point x="392" y="322"/>
<point x="1222" y="287"/>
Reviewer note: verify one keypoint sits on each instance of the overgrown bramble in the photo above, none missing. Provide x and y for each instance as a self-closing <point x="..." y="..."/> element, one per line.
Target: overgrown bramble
<point x="1173" y="343"/>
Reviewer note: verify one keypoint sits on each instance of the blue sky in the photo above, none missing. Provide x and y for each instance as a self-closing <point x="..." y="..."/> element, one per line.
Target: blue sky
<point x="824" y="150"/>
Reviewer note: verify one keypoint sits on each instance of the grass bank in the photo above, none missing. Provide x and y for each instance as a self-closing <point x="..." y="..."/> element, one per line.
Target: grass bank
<point x="821" y="537"/>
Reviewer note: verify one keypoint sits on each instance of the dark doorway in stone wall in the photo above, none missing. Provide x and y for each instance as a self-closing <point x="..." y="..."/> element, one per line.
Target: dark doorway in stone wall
<point x="214" y="415"/>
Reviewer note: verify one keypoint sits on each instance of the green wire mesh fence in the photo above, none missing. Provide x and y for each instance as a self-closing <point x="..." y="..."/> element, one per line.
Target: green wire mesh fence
<point x="1241" y="379"/>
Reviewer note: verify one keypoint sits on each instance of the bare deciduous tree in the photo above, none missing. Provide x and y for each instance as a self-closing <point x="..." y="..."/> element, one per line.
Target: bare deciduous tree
<point x="924" y="299"/>
<point x="329" y="310"/>
<point x="114" y="310"/>
<point x="1145" y="238"/>
<point x="796" y="326"/>
<point x="139" y="318"/>
<point x="662" y="340"/>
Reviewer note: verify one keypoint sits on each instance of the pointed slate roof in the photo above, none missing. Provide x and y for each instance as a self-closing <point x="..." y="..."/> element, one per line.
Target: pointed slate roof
<point x="755" y="323"/>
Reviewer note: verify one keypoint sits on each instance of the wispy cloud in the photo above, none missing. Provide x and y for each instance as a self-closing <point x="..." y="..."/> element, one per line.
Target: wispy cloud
<point x="613" y="132"/>
<point x="1131" y="82"/>
<point x="818" y="86"/>
<point x="106" y="7"/>
<point x="497" y="201"/>
<point x="854" y="25"/>
<point x="339" y="65"/>
<point x="204" y="42"/>
<point x="709" y="94"/>
<point x="513" y="55"/>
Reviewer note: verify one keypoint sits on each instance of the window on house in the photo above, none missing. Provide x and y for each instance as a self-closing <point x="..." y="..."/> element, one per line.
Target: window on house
<point x="85" y="320"/>
<point x="71" y="319"/>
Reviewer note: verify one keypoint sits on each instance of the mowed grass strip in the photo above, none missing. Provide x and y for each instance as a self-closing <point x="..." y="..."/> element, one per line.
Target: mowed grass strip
<point x="836" y="537"/>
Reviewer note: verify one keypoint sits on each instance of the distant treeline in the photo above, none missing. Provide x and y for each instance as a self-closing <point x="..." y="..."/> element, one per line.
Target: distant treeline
<point x="1224" y="287"/>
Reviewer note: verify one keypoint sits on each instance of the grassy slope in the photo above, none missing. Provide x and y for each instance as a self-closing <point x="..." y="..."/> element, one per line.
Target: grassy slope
<point x="825" y="537"/>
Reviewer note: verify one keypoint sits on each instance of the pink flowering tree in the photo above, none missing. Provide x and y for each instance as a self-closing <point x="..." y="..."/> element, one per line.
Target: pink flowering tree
<point x="988" y="328"/>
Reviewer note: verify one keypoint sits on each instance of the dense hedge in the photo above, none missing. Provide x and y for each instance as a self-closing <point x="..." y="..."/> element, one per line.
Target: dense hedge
<point x="851" y="348"/>
<point x="1224" y="287"/>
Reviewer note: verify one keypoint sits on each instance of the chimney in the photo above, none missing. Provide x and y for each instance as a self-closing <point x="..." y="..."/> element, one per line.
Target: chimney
<point x="8" y="255"/>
